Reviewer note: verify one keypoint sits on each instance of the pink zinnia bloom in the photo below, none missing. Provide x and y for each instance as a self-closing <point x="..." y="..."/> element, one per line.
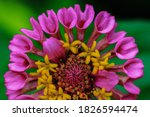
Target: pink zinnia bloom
<point x="63" y="68"/>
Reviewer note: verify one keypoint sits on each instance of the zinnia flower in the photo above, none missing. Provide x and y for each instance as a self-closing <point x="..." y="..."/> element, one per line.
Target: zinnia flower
<point x="68" y="68"/>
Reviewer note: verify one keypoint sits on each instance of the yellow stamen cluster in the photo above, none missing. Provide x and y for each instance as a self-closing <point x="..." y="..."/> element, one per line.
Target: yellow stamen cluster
<point x="101" y="63"/>
<point x="45" y="81"/>
<point x="101" y="94"/>
<point x="88" y="52"/>
<point x="47" y="65"/>
<point x="74" y="46"/>
<point x="51" y="93"/>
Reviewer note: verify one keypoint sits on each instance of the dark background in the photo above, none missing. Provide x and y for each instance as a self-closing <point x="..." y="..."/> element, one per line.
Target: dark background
<point x="133" y="16"/>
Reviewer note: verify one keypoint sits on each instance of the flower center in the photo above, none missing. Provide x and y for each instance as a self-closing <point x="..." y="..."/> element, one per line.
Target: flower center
<point x="74" y="76"/>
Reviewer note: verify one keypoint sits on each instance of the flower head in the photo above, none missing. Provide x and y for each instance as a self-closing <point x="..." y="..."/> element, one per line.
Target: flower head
<point x="65" y="67"/>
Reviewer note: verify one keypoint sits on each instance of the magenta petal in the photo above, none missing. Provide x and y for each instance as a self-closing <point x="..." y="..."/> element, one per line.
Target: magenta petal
<point x="17" y="95"/>
<point x="131" y="88"/>
<point x="104" y="22"/>
<point x="54" y="49"/>
<point x="36" y="33"/>
<point x="49" y="23"/>
<point x="126" y="48"/>
<point x="15" y="80"/>
<point x="20" y="43"/>
<point x="67" y="17"/>
<point x="129" y="97"/>
<point x="20" y="62"/>
<point x="134" y="68"/>
<point x="107" y="80"/>
<point x="12" y="94"/>
<point x="25" y="97"/>
<point x="85" y="18"/>
<point x="116" y="37"/>
<point x="113" y="37"/>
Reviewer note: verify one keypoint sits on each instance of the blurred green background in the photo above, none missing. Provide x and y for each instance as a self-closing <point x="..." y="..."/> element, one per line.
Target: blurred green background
<point x="132" y="16"/>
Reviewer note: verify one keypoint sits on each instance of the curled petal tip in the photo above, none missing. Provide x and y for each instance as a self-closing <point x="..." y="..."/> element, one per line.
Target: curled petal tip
<point x="126" y="48"/>
<point x="67" y="17"/>
<point x="134" y="68"/>
<point x="104" y="22"/>
<point x="49" y="23"/>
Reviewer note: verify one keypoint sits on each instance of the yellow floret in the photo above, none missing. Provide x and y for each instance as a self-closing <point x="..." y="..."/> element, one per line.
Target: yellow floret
<point x="73" y="47"/>
<point x="101" y="94"/>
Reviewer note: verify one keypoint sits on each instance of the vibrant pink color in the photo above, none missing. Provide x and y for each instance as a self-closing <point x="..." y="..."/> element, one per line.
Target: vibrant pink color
<point x="25" y="97"/>
<point x="129" y="97"/>
<point x="19" y="62"/>
<point x="15" y="80"/>
<point x="21" y="43"/>
<point x="67" y="17"/>
<point x="113" y="37"/>
<point x="12" y="94"/>
<point x="85" y="18"/>
<point x="131" y="88"/>
<point x="72" y="70"/>
<point x="54" y="49"/>
<point x="121" y="96"/>
<point x="126" y="48"/>
<point x="17" y="95"/>
<point x="36" y="33"/>
<point x="49" y="23"/>
<point x="75" y="74"/>
<point x="104" y="22"/>
<point x="134" y="68"/>
<point x="107" y="80"/>
<point x="110" y="38"/>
